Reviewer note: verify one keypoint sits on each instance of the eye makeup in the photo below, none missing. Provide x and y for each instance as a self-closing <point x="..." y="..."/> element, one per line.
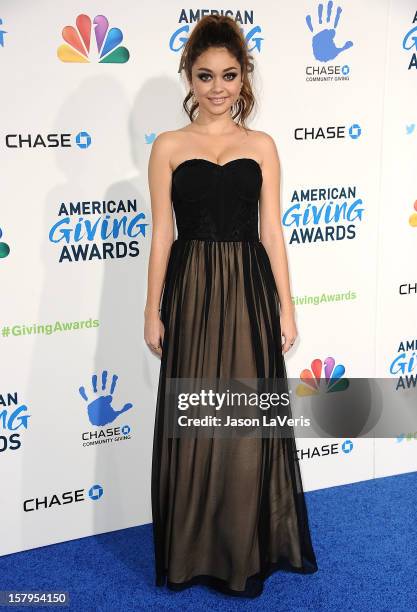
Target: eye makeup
<point x="202" y="76"/>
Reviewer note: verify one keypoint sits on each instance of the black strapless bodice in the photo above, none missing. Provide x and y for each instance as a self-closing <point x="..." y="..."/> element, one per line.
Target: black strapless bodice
<point x="217" y="202"/>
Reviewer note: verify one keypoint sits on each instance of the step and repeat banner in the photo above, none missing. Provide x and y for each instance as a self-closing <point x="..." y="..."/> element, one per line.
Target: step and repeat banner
<point x="86" y="88"/>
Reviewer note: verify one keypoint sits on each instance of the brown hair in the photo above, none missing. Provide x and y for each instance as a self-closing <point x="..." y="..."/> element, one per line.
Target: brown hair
<point x="220" y="31"/>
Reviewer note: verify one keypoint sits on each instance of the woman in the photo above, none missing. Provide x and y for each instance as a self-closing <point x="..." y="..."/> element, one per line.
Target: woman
<point x="226" y="512"/>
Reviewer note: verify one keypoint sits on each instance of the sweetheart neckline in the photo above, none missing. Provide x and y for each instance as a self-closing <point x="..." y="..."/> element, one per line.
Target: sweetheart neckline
<point x="231" y="161"/>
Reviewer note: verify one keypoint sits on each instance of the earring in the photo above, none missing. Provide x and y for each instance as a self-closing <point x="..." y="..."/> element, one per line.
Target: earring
<point x="236" y="104"/>
<point x="193" y="98"/>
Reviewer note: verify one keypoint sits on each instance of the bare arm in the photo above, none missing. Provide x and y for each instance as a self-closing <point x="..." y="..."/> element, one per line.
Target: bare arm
<point x="271" y="233"/>
<point x="272" y="237"/>
<point x="159" y="178"/>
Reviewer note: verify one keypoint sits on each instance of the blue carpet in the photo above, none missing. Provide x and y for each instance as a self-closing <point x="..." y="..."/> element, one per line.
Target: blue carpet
<point x="364" y="535"/>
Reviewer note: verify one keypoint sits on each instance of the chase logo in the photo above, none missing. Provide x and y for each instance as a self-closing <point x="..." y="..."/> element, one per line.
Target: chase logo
<point x="46" y="141"/>
<point x="4" y="247"/>
<point x="45" y="502"/>
<point x="330" y="132"/>
<point x="312" y="378"/>
<point x="347" y="446"/>
<point x="325" y="450"/>
<point x="355" y="131"/>
<point x="78" y="47"/>
<point x="95" y="492"/>
<point x="83" y="140"/>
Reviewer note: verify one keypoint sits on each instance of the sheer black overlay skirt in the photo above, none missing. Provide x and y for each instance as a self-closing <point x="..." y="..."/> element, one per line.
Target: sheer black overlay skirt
<point x="226" y="512"/>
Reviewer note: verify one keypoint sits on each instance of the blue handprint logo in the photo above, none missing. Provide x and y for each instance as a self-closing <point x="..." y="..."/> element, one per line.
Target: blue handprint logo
<point x="100" y="410"/>
<point x="324" y="48"/>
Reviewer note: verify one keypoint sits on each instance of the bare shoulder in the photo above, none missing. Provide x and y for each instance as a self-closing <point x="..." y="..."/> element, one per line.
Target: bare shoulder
<point x="166" y="144"/>
<point x="266" y="145"/>
<point x="165" y="140"/>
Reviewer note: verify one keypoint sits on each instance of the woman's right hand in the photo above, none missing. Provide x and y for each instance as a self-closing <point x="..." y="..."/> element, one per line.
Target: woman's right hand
<point x="154" y="332"/>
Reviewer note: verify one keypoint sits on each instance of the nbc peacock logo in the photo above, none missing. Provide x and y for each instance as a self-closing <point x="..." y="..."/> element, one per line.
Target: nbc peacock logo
<point x="4" y="247"/>
<point x="413" y="217"/>
<point x="78" y="45"/>
<point x="312" y="378"/>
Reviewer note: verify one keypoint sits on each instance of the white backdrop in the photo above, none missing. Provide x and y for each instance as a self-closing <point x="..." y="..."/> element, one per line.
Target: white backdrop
<point x="73" y="288"/>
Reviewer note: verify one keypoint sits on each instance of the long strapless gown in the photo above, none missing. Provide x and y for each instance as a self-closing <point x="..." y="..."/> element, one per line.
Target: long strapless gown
<point x="226" y="512"/>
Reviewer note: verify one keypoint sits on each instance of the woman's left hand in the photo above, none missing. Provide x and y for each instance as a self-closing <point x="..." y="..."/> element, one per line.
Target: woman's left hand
<point x="288" y="330"/>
